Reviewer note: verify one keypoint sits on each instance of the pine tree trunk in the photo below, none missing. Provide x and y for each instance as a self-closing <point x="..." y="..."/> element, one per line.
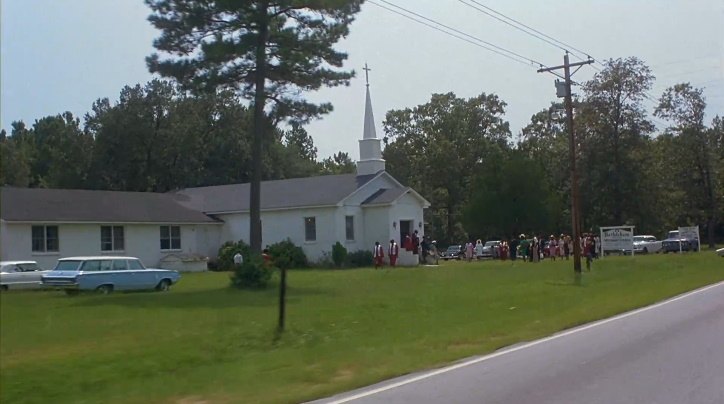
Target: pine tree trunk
<point x="256" y="149"/>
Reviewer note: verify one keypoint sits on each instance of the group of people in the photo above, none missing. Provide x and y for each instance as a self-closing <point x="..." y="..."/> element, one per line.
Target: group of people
<point x="535" y="249"/>
<point x="529" y="249"/>
<point x="422" y="248"/>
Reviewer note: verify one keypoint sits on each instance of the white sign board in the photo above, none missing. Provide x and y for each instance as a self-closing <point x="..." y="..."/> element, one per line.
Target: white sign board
<point x="617" y="238"/>
<point x="691" y="232"/>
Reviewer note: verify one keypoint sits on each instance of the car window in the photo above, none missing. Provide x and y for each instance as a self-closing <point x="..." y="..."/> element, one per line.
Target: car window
<point x="28" y="267"/>
<point x="106" y="265"/>
<point x="119" y="265"/>
<point x="68" y="266"/>
<point x="93" y="265"/>
<point x="135" y="264"/>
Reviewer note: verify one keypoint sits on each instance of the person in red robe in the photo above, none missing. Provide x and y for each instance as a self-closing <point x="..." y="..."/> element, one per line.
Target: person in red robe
<point x="378" y="255"/>
<point x="407" y="244"/>
<point x="393" y="251"/>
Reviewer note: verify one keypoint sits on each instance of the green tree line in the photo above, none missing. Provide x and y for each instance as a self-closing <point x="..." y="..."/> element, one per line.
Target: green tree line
<point x="156" y="138"/>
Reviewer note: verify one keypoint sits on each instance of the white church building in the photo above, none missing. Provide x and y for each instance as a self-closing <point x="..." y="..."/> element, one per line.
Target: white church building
<point x="314" y="212"/>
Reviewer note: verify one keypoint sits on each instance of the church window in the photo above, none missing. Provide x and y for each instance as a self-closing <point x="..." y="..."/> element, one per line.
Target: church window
<point x="349" y="227"/>
<point x="310" y="228"/>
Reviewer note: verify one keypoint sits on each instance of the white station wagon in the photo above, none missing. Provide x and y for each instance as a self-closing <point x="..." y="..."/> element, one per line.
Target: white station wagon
<point x="106" y="274"/>
<point x="20" y="275"/>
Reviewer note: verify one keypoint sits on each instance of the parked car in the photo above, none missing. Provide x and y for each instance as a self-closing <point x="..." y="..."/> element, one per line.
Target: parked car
<point x="20" y="275"/>
<point x="720" y="252"/>
<point x="675" y="243"/>
<point x="454" y="252"/>
<point x="107" y="274"/>
<point x="646" y="244"/>
<point x="491" y="249"/>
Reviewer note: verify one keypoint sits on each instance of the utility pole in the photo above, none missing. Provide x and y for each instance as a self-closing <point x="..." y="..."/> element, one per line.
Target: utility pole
<point x="575" y="204"/>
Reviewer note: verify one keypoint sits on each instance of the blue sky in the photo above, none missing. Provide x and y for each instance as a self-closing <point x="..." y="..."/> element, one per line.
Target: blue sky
<point x="61" y="56"/>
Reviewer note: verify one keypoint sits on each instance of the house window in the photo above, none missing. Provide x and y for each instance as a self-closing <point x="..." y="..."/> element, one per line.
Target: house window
<point x="170" y="237"/>
<point x="45" y="239"/>
<point x="349" y="227"/>
<point x="310" y="229"/>
<point x="112" y="238"/>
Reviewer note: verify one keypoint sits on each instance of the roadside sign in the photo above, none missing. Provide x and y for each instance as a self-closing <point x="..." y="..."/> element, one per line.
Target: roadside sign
<point x="619" y="238"/>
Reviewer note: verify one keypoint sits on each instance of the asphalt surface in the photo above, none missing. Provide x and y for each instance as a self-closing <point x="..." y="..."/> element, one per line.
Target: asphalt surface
<point x="668" y="353"/>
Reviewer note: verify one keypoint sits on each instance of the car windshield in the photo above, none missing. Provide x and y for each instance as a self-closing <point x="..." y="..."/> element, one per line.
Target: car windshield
<point x="453" y="249"/>
<point x="491" y="243"/>
<point x="639" y="238"/>
<point x="70" y="265"/>
<point x="673" y="234"/>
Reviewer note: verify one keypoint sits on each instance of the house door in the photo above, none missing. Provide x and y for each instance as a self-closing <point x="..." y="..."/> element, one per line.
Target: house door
<point x="405" y="229"/>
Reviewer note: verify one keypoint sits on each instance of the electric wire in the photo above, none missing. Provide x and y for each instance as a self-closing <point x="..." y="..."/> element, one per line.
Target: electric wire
<point x="475" y="40"/>
<point x="527" y="29"/>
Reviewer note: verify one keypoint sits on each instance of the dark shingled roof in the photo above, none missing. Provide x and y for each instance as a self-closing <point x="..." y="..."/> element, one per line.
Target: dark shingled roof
<point x="384" y="196"/>
<point x="68" y="205"/>
<point x="291" y="193"/>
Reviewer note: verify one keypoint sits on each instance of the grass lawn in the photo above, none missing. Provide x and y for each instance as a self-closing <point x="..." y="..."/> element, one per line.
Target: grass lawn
<point x="203" y="342"/>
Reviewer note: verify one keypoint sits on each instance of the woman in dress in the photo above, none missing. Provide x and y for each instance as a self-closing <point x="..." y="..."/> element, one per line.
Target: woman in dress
<point x="552" y="247"/>
<point x="479" y="249"/>
<point x="469" y="251"/>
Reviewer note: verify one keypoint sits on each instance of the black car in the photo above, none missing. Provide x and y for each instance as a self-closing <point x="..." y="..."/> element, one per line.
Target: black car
<point x="454" y="252"/>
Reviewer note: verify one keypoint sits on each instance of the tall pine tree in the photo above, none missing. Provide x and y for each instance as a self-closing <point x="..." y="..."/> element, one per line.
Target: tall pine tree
<point x="264" y="50"/>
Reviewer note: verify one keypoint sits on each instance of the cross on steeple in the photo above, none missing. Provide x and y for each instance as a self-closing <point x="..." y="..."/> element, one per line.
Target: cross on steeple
<point x="367" y="74"/>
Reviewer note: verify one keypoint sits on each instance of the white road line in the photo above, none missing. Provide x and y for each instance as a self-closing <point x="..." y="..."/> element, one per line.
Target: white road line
<point x="520" y="347"/>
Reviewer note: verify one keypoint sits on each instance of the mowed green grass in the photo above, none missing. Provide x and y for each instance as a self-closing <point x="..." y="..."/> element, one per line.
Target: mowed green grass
<point x="203" y="342"/>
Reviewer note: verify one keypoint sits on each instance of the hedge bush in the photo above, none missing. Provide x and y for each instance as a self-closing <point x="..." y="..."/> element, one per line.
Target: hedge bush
<point x="359" y="258"/>
<point x="339" y="254"/>
<point x="287" y="255"/>
<point x="254" y="273"/>
<point x="225" y="261"/>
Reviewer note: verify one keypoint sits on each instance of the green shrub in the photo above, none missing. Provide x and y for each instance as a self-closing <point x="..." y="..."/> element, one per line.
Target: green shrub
<point x="225" y="261"/>
<point x="339" y="254"/>
<point x="359" y="258"/>
<point x="252" y="274"/>
<point x="286" y="255"/>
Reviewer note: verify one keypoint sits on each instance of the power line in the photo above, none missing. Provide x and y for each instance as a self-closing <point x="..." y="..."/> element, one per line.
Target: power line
<point x="475" y="40"/>
<point x="527" y="29"/>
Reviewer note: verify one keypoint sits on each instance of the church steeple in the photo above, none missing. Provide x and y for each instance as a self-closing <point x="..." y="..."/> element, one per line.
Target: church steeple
<point x="370" y="148"/>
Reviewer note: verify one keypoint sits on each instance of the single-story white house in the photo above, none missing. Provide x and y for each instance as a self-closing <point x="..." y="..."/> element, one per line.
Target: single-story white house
<point x="315" y="212"/>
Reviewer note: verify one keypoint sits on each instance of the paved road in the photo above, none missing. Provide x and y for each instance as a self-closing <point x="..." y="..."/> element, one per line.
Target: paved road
<point x="672" y="352"/>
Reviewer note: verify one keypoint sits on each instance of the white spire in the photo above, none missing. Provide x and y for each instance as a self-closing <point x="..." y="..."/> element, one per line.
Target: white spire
<point x="370" y="148"/>
<point x="369" y="129"/>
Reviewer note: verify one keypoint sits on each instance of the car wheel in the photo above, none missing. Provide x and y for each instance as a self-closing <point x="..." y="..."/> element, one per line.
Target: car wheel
<point x="646" y="250"/>
<point x="164" y="286"/>
<point x="4" y="288"/>
<point x="71" y="292"/>
<point x="104" y="289"/>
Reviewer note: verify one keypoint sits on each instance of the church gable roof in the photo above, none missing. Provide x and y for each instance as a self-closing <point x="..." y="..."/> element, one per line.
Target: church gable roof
<point x="323" y="190"/>
<point x="73" y="205"/>
<point x="384" y="196"/>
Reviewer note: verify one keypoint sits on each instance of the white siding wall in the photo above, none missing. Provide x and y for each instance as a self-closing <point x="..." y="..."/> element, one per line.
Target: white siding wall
<point x="377" y="226"/>
<point x="141" y="240"/>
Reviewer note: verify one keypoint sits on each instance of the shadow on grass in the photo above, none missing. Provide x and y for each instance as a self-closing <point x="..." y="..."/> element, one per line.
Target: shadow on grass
<point x="207" y="298"/>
